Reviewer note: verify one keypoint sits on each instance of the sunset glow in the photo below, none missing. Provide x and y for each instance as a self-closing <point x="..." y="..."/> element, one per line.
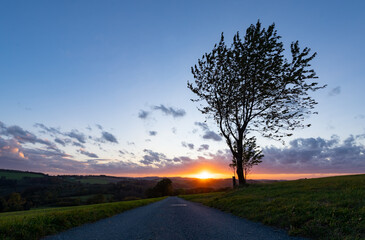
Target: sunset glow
<point x="206" y="175"/>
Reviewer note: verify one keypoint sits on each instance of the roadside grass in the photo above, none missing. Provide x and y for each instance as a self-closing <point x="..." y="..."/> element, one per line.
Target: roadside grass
<point x="35" y="224"/>
<point x="323" y="208"/>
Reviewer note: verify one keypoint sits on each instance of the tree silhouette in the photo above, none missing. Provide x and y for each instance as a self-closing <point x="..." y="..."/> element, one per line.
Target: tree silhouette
<point x="252" y="156"/>
<point x="251" y="87"/>
<point x="162" y="188"/>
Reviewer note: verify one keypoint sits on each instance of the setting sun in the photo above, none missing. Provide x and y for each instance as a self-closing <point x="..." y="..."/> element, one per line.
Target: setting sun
<point x="204" y="175"/>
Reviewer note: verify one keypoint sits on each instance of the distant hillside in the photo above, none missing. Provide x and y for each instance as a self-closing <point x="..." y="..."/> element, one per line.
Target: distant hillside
<point x="21" y="190"/>
<point x="17" y="175"/>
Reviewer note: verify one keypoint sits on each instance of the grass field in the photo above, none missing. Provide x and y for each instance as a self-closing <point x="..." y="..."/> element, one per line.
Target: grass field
<point x="18" y="175"/>
<point x="34" y="224"/>
<point x="323" y="208"/>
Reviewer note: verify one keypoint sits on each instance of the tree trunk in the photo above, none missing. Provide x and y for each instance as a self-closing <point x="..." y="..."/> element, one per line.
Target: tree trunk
<point x="239" y="159"/>
<point x="241" y="177"/>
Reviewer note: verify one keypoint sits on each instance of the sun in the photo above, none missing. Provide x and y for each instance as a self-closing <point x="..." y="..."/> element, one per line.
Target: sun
<point x="204" y="175"/>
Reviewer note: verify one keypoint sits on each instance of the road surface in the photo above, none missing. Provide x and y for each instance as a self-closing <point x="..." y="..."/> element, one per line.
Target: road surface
<point x="173" y="218"/>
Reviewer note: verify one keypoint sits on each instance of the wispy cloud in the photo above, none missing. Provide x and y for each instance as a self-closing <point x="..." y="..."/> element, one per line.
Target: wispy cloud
<point x="107" y="136"/>
<point x="168" y="111"/>
<point x="188" y="145"/>
<point x="143" y="114"/>
<point x="335" y="91"/>
<point x="175" y="112"/>
<point x="89" y="154"/>
<point x="203" y="147"/>
<point x="207" y="133"/>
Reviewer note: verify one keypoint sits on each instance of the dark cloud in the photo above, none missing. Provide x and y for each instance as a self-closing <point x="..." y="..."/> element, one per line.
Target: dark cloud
<point x="152" y="157"/>
<point x="208" y="134"/>
<point x="89" y="154"/>
<point x="59" y="141"/>
<point x="143" y="114"/>
<point x="203" y="126"/>
<point x="77" y="135"/>
<point x="14" y="156"/>
<point x="335" y="91"/>
<point x="170" y="111"/>
<point x="152" y="133"/>
<point x="50" y="130"/>
<point x="212" y="135"/>
<point x="99" y="127"/>
<point x="77" y="144"/>
<point x="316" y="155"/>
<point x="203" y="147"/>
<point x="121" y="152"/>
<point x="23" y="136"/>
<point x="173" y="130"/>
<point x="109" y="137"/>
<point x="188" y="145"/>
<point x="130" y="143"/>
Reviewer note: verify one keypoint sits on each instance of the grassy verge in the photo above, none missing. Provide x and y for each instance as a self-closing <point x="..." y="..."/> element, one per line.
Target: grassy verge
<point x="34" y="224"/>
<point x="323" y="208"/>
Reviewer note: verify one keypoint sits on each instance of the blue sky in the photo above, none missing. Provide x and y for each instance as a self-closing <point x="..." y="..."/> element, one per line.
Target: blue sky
<point x="73" y="64"/>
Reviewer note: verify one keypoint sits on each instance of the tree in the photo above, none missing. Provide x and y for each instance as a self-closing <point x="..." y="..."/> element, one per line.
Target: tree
<point x="162" y="188"/>
<point x="251" y="87"/>
<point x="252" y="156"/>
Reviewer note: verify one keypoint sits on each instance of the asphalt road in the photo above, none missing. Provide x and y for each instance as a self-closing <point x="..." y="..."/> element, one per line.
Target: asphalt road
<point x="173" y="218"/>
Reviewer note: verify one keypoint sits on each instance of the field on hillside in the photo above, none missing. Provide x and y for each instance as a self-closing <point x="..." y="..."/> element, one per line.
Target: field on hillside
<point x="34" y="224"/>
<point x="15" y="175"/>
<point x="323" y="208"/>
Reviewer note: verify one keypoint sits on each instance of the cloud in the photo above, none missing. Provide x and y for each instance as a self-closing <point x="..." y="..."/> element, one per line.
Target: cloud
<point x="143" y="114"/>
<point x="50" y="130"/>
<point x="22" y="135"/>
<point x="59" y="141"/>
<point x="316" y="155"/>
<point x="152" y="133"/>
<point x="208" y="134"/>
<point x="14" y="156"/>
<point x="188" y="145"/>
<point x="77" y="144"/>
<point x="109" y="137"/>
<point x="89" y="154"/>
<point x="212" y="135"/>
<point x="203" y="147"/>
<point x="152" y="157"/>
<point x="130" y="143"/>
<point x="77" y="135"/>
<point x="170" y="111"/>
<point x="335" y="91"/>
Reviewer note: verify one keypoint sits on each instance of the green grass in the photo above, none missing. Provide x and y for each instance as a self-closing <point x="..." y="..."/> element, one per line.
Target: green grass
<point x="323" y="208"/>
<point x="18" y="175"/>
<point x="34" y="224"/>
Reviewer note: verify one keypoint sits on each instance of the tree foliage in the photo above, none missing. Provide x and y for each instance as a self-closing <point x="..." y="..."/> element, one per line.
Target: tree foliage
<point x="162" y="188"/>
<point x="252" y="156"/>
<point x="251" y="87"/>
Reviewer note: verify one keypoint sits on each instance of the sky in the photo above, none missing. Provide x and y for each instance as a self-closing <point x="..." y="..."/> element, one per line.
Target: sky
<point x="100" y="87"/>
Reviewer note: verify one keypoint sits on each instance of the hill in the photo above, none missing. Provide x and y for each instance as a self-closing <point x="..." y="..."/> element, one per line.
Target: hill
<point x="322" y="208"/>
<point x="28" y="190"/>
<point x="17" y="175"/>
